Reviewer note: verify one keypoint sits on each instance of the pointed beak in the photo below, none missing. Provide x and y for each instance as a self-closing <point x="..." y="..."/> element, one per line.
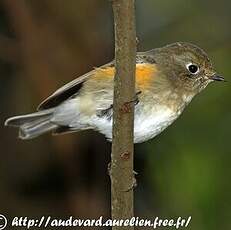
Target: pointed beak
<point x="216" y="77"/>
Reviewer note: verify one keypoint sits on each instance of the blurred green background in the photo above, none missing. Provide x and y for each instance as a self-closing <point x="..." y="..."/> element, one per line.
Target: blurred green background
<point x="184" y="171"/>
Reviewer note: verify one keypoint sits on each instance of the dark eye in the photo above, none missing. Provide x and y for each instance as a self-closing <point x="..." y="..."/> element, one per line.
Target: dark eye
<point x="192" y="68"/>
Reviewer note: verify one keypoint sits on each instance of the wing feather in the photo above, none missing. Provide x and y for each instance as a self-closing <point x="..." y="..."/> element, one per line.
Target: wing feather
<point x="67" y="90"/>
<point x="74" y="86"/>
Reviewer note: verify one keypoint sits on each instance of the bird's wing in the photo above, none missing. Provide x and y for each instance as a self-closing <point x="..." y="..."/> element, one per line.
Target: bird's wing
<point x="67" y="90"/>
<point x="74" y="86"/>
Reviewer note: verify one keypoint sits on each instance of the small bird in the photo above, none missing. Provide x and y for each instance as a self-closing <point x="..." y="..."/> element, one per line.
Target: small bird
<point x="167" y="79"/>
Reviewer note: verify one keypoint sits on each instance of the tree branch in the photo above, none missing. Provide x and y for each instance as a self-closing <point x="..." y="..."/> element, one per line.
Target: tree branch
<point x="121" y="173"/>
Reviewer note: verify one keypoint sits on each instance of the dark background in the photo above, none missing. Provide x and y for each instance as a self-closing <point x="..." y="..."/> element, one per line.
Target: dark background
<point x="184" y="171"/>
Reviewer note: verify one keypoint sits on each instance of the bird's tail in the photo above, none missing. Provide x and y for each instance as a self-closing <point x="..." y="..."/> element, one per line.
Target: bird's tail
<point x="32" y="125"/>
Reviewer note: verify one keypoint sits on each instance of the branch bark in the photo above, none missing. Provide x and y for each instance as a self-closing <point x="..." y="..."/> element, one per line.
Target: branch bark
<point x="121" y="171"/>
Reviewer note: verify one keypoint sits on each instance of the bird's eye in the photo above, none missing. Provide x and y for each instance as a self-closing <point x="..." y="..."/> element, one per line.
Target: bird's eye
<point x="192" y="68"/>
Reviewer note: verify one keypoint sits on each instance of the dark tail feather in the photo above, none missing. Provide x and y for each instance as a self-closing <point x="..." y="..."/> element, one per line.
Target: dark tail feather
<point x="32" y="125"/>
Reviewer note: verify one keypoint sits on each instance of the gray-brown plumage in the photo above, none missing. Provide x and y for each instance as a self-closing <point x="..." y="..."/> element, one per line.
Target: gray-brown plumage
<point x="168" y="78"/>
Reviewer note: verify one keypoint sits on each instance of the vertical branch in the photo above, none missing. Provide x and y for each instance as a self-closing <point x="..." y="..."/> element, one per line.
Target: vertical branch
<point x="122" y="177"/>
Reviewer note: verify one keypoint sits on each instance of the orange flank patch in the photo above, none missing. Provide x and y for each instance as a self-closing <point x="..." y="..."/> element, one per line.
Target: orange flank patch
<point x="144" y="73"/>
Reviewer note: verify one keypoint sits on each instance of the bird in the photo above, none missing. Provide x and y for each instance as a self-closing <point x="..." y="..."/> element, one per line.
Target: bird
<point x="167" y="79"/>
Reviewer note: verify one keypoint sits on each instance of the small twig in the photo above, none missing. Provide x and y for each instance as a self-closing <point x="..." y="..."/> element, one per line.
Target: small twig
<point x="121" y="169"/>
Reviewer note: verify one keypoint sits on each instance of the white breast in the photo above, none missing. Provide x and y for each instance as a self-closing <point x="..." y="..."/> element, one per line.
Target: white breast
<point x="149" y="125"/>
<point x="146" y="125"/>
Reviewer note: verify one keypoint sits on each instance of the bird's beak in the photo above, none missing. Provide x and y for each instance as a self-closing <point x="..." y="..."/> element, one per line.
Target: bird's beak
<point x="216" y="77"/>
